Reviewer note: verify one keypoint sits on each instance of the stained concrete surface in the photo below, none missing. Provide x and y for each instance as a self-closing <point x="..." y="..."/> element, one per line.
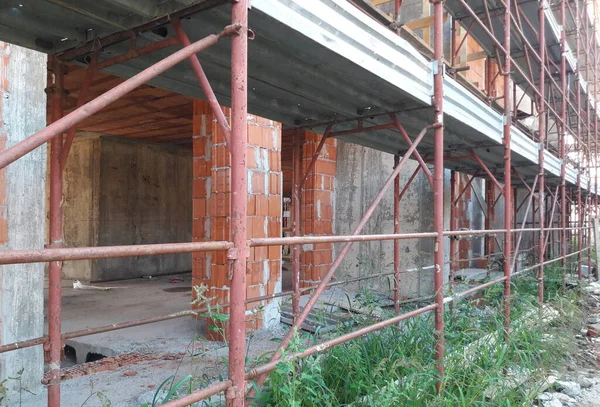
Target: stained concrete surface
<point x="123" y="192"/>
<point x="22" y="113"/>
<point x="208" y="364"/>
<point x="360" y="174"/>
<point x="130" y="300"/>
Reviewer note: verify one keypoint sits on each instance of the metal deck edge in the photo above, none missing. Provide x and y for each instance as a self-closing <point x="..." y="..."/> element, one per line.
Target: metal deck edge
<point x="352" y="34"/>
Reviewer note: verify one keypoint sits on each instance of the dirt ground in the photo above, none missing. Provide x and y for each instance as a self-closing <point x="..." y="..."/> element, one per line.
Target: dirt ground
<point x="134" y="384"/>
<point x="579" y="385"/>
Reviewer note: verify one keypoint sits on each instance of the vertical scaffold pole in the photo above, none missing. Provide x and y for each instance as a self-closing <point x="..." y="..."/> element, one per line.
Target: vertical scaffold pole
<point x="438" y="181"/>
<point x="542" y="137"/>
<point x="508" y="207"/>
<point x="239" y="210"/>
<point x="397" y="242"/>
<point x="563" y="136"/>
<point x="56" y="240"/>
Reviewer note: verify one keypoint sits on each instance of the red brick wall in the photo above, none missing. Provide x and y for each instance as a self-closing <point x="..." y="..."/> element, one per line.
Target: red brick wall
<point x="212" y="208"/>
<point x="317" y="207"/>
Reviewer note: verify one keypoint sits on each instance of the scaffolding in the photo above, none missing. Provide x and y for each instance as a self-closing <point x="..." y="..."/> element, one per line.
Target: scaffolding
<point x="562" y="87"/>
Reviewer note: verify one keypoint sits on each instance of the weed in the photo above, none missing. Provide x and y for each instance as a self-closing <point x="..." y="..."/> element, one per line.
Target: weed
<point x="395" y="366"/>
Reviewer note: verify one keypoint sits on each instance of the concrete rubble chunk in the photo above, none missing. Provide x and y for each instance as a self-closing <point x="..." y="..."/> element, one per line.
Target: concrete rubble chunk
<point x="585" y="382"/>
<point x="572" y="389"/>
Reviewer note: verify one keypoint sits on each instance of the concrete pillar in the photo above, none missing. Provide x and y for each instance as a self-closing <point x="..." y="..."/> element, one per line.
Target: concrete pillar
<point x="22" y="214"/>
<point x="212" y="210"/>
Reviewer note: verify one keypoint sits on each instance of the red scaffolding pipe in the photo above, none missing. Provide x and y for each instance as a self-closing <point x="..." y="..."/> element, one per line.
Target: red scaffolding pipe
<point x="239" y="210"/>
<point x="76" y="116"/>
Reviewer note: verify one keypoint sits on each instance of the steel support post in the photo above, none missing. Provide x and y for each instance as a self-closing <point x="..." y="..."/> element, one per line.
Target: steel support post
<point x="239" y="205"/>
<point x="490" y="193"/>
<point x="542" y="137"/>
<point x="579" y="144"/>
<point x="56" y="241"/>
<point x="562" y="138"/>
<point x="453" y="226"/>
<point x="397" y="242"/>
<point x="438" y="183"/>
<point x="296" y="192"/>
<point x="595" y="138"/>
<point x="508" y="208"/>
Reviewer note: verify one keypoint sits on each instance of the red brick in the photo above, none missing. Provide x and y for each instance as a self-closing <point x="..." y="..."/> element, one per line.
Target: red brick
<point x="219" y="228"/>
<point x="199" y="208"/>
<point x="262" y="205"/>
<point x="274" y="227"/>
<point x="252" y="204"/>
<point x="201" y="167"/>
<point x="274" y="184"/>
<point x="322" y="257"/>
<point x="258" y="226"/>
<point x="274" y="252"/>
<point x="325" y="167"/>
<point x="258" y="182"/>
<point x="199" y="145"/>
<point x="269" y="137"/>
<point x="199" y="229"/>
<point x="274" y="205"/>
<point x="199" y="188"/>
<point x="255" y="135"/>
<point x="323" y="246"/>
<point x="260" y="253"/>
<point x="221" y="180"/>
<point x="253" y="291"/>
<point x="220" y="156"/>
<point x="275" y="161"/>
<point x="200" y="107"/>
<point x="251" y="158"/>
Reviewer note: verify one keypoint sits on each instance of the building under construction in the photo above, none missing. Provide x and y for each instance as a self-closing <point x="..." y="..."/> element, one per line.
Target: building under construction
<point x="277" y="148"/>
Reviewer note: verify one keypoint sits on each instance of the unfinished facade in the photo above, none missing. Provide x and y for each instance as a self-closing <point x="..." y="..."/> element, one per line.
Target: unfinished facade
<point x="281" y="149"/>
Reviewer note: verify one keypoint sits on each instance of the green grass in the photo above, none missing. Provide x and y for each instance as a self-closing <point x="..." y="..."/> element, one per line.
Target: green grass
<point x="395" y="366"/>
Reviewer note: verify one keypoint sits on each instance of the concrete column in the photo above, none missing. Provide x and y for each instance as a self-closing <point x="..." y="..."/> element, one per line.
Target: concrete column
<point x="22" y="213"/>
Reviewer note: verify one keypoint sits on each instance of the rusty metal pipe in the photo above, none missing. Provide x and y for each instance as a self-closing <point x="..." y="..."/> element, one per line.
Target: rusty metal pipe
<point x="201" y="394"/>
<point x="397" y="242"/>
<point x="322" y="285"/>
<point x="106" y="252"/>
<point x="204" y="83"/>
<point x="438" y="186"/>
<point x="415" y="153"/>
<point x="56" y="240"/>
<point x="508" y="207"/>
<point x="518" y="245"/>
<point x="72" y="119"/>
<point x="239" y="205"/>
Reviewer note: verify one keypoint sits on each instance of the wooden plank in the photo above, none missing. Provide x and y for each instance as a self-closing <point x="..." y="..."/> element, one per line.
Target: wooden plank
<point x="380" y="2"/>
<point x="422" y="22"/>
<point x="475" y="56"/>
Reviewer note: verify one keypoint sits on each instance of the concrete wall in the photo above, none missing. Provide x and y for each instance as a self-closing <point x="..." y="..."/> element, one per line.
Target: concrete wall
<point x="22" y="188"/>
<point x="360" y="174"/>
<point x="81" y="188"/>
<point x="122" y="192"/>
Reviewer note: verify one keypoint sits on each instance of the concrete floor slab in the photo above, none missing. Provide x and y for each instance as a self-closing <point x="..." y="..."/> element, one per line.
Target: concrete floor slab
<point x="129" y="300"/>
